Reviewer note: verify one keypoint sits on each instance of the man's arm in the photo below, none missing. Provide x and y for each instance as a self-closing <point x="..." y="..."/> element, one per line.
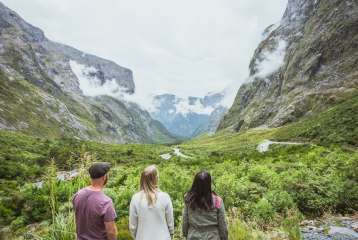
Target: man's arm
<point x="109" y="219"/>
<point x="111" y="230"/>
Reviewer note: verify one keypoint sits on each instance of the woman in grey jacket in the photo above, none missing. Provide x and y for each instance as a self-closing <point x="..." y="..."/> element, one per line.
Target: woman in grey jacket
<point x="204" y="212"/>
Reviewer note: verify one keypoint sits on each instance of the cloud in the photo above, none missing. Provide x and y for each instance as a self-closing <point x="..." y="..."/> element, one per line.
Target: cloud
<point x="271" y="60"/>
<point x="185" y="107"/>
<point x="176" y="105"/>
<point x="91" y="85"/>
<point x="183" y="47"/>
<point x="268" y="63"/>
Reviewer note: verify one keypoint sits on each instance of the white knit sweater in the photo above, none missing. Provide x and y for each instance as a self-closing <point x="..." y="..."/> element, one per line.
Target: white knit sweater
<point x="151" y="222"/>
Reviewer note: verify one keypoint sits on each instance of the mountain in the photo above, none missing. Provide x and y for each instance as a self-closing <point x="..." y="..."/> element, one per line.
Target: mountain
<point x="306" y="63"/>
<point x="48" y="89"/>
<point x="189" y="117"/>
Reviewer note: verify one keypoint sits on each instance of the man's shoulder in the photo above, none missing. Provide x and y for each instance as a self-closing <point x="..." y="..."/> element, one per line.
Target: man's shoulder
<point x="80" y="192"/>
<point x="100" y="196"/>
<point x="106" y="199"/>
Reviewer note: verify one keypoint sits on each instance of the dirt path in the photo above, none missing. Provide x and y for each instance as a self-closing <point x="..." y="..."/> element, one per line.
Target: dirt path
<point x="265" y="145"/>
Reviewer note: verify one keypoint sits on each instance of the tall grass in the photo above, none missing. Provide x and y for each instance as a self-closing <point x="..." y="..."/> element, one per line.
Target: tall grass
<point x="63" y="223"/>
<point x="240" y="230"/>
<point x="63" y="227"/>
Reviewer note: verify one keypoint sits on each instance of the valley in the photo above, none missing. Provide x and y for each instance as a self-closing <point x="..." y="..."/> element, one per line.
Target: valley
<point x="266" y="194"/>
<point x="284" y="156"/>
<point x="190" y="117"/>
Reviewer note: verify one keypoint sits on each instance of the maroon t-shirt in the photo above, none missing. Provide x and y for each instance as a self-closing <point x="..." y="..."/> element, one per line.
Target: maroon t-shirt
<point x="92" y="209"/>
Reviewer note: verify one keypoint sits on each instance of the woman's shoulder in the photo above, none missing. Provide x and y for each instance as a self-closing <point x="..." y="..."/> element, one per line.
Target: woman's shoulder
<point x="163" y="195"/>
<point x="137" y="195"/>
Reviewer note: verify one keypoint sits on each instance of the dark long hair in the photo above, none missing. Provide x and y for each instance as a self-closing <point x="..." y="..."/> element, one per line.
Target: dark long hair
<point x="200" y="195"/>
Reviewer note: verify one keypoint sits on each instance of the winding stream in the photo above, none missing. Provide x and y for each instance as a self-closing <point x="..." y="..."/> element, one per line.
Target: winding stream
<point x="334" y="228"/>
<point x="176" y="152"/>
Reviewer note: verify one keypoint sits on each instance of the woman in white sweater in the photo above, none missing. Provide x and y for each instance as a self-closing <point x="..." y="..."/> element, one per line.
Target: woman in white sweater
<point x="151" y="210"/>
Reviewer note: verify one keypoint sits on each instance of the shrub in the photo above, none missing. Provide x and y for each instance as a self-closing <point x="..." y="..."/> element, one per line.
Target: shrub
<point x="227" y="186"/>
<point x="263" y="212"/>
<point x="123" y="229"/>
<point x="313" y="194"/>
<point x="264" y="176"/>
<point x="36" y="204"/>
<point x="18" y="223"/>
<point x="281" y="201"/>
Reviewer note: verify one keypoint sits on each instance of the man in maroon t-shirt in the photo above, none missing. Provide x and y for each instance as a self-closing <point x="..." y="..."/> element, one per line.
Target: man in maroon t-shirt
<point x="94" y="211"/>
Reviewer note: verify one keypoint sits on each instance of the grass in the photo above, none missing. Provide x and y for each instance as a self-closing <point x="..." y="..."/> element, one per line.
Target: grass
<point x="336" y="125"/>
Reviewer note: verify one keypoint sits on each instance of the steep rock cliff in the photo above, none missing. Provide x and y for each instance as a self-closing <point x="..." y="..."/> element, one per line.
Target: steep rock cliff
<point x="41" y="94"/>
<point x="306" y="63"/>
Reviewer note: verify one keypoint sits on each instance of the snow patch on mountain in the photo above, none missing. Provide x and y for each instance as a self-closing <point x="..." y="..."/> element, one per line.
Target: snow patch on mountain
<point x="190" y="116"/>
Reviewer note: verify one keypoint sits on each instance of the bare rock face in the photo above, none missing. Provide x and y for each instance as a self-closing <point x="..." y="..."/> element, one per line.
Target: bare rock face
<point x="38" y="55"/>
<point x="41" y="94"/>
<point x="105" y="69"/>
<point x="307" y="62"/>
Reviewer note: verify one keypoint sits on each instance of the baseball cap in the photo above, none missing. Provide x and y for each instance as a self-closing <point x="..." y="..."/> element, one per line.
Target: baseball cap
<point x="98" y="170"/>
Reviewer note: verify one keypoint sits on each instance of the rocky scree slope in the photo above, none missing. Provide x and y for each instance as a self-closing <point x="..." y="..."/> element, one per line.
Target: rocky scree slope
<point x="40" y="94"/>
<point x="306" y="63"/>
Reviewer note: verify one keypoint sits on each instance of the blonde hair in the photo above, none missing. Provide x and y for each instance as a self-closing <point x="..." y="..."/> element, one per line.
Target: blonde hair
<point x="149" y="183"/>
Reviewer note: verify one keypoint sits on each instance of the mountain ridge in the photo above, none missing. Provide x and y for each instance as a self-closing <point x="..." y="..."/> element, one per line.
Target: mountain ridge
<point x="189" y="117"/>
<point x="42" y="95"/>
<point x="304" y="65"/>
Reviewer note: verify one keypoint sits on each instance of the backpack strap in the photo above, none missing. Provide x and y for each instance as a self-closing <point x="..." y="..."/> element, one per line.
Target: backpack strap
<point x="217" y="201"/>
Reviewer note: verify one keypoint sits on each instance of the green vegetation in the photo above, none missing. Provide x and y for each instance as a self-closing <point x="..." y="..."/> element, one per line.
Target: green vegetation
<point x="30" y="109"/>
<point x="336" y="125"/>
<point x="266" y="194"/>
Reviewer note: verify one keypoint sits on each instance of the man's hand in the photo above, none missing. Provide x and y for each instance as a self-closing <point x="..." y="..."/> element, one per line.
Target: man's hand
<point x="111" y="230"/>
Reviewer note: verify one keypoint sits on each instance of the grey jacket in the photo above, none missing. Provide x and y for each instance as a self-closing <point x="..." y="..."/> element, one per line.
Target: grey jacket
<point x="205" y="224"/>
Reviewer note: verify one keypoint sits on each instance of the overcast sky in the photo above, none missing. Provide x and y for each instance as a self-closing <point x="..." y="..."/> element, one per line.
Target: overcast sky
<point x="185" y="47"/>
